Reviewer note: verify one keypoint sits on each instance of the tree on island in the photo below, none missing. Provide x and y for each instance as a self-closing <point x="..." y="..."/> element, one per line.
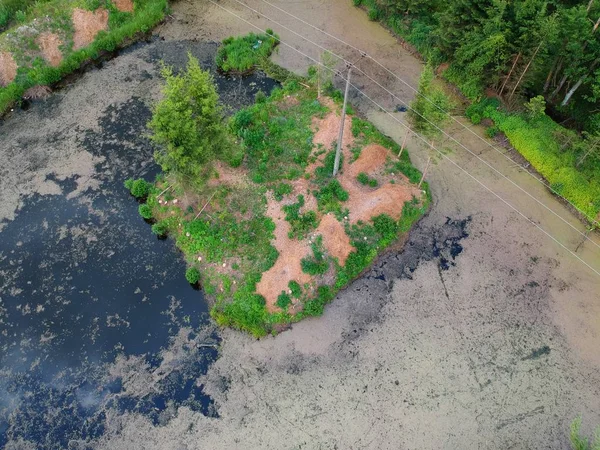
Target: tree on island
<point x="187" y="124"/>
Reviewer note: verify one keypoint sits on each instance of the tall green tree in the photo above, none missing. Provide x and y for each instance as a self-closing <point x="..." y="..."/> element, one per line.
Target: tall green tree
<point x="187" y="124"/>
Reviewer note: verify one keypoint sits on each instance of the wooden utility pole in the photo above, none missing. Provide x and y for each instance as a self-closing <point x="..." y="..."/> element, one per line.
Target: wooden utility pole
<point x="338" y="151"/>
<point x="424" y="172"/>
<point x="403" y="143"/>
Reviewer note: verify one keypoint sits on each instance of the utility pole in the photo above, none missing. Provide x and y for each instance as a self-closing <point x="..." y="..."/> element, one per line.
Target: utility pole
<point x="338" y="151"/>
<point x="424" y="172"/>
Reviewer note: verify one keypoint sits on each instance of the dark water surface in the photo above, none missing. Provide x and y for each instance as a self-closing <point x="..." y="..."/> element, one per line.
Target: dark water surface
<point x="95" y="311"/>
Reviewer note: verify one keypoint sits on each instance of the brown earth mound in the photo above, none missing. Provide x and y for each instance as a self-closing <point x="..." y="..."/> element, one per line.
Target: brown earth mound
<point x="371" y="159"/>
<point x="8" y="68"/>
<point x="388" y="199"/>
<point x="50" y="46"/>
<point x="335" y="239"/>
<point x="124" y="5"/>
<point x="326" y="134"/>
<point x="87" y="25"/>
<point x="287" y="267"/>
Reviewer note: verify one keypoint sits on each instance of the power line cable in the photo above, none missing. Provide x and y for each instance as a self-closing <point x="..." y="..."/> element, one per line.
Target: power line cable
<point x="585" y="236"/>
<point x="420" y="137"/>
<point x="547" y="185"/>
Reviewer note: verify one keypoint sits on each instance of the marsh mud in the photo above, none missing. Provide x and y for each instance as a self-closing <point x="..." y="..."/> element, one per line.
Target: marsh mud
<point x="96" y="315"/>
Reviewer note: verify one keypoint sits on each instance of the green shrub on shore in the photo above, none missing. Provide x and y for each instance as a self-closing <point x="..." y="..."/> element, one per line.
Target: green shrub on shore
<point x="139" y="188"/>
<point x="192" y="275"/>
<point x="145" y="211"/>
<point x="242" y="54"/>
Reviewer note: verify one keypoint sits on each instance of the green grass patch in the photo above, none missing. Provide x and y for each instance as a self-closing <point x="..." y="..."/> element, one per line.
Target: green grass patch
<point x="301" y="224"/>
<point x="317" y="264"/>
<point x="366" y="180"/>
<point x="243" y="54"/>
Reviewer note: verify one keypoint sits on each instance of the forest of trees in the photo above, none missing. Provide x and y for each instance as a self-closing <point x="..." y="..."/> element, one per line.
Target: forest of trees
<point x="519" y="48"/>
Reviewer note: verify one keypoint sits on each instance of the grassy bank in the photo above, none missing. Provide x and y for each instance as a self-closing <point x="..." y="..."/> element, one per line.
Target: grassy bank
<point x="558" y="154"/>
<point x="232" y="227"/>
<point x="54" y="16"/>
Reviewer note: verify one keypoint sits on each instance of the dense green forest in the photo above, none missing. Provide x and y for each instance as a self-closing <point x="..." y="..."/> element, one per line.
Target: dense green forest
<point x="519" y="49"/>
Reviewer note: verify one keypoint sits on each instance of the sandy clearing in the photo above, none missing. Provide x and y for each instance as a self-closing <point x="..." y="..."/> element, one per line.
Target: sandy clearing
<point x="336" y="241"/>
<point x="50" y="46"/>
<point x="124" y="5"/>
<point x="8" y="68"/>
<point x="287" y="267"/>
<point x="87" y="25"/>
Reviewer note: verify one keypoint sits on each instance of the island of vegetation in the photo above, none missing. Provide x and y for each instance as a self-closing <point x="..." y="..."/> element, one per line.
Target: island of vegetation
<point x="266" y="229"/>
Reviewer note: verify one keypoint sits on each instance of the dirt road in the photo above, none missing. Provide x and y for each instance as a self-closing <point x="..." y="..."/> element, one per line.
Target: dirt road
<point x="483" y="333"/>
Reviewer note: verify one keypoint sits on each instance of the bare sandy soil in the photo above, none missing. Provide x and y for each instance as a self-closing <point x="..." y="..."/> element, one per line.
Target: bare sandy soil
<point x="494" y="347"/>
<point x="8" y="68"/>
<point x="50" y="46"/>
<point x="87" y="25"/>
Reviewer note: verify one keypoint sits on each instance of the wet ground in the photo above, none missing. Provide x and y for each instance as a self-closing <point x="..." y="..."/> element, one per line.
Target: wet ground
<point x="483" y="333"/>
<point x="87" y="289"/>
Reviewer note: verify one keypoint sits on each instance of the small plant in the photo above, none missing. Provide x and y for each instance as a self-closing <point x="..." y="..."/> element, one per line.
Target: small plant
<point x="364" y="179"/>
<point x="357" y="2"/>
<point x="536" y="107"/>
<point x="492" y="132"/>
<point x="260" y="97"/>
<point x="145" y="211"/>
<point x="330" y="196"/>
<point x="282" y="189"/>
<point x="579" y="442"/>
<point x="295" y="288"/>
<point x="139" y="188"/>
<point x="192" y="275"/>
<point x="374" y="14"/>
<point x="317" y="264"/>
<point x="301" y="224"/>
<point x="283" y="301"/>
<point x="242" y="54"/>
<point x="160" y="229"/>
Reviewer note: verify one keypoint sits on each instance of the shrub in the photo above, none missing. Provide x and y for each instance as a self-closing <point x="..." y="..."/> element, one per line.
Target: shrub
<point x="160" y="228"/>
<point x="138" y="188"/>
<point x="295" y="288"/>
<point x="283" y="301"/>
<point x="243" y="54"/>
<point x="330" y="196"/>
<point x="282" y="189"/>
<point x="192" y="275"/>
<point x="374" y="14"/>
<point x="357" y="2"/>
<point x="145" y="211"/>
<point x="491" y="131"/>
<point x="317" y="264"/>
<point x="301" y="224"/>
<point x="363" y="178"/>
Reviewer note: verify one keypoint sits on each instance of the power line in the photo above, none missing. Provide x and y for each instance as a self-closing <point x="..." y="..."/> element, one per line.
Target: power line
<point x="585" y="236"/>
<point x="419" y="136"/>
<point x="547" y="185"/>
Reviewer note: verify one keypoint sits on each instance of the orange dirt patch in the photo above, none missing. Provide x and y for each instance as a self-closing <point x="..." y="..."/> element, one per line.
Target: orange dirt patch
<point x="87" y="25"/>
<point x="371" y="159"/>
<point x="50" y="46"/>
<point x="335" y="239"/>
<point x="8" y="68"/>
<point x="388" y="199"/>
<point x="287" y="267"/>
<point x="124" y="5"/>
<point x="326" y="133"/>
